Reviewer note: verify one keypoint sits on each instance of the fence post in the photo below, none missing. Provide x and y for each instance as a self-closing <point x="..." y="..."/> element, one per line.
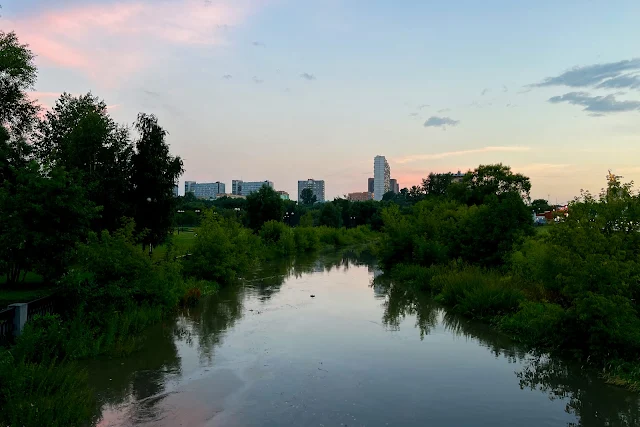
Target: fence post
<point x="19" y="317"/>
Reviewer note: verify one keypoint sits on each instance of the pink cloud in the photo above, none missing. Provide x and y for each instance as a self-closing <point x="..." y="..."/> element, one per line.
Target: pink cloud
<point x="108" y="42"/>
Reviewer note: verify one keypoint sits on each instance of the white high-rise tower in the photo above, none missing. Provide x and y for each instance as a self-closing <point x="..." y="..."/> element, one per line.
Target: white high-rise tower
<point x="381" y="177"/>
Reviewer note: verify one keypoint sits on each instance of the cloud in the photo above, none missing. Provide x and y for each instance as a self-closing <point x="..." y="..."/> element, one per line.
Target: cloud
<point x="435" y="121"/>
<point x="308" y="76"/>
<point x="259" y="44"/>
<point x="444" y="110"/>
<point x="110" y="41"/>
<point x="505" y="88"/>
<point x="113" y="107"/>
<point x="597" y="104"/>
<point x="227" y="76"/>
<point x="257" y="80"/>
<point x="621" y="74"/>
<point x="413" y="114"/>
<point x="436" y="156"/>
<point x="484" y="91"/>
<point x="420" y="107"/>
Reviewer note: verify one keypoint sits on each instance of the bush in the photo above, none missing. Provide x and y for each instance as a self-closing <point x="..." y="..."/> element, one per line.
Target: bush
<point x="306" y="239"/>
<point x="476" y="293"/>
<point x="279" y="237"/>
<point x="45" y="394"/>
<point x="536" y="323"/>
<point x="414" y="275"/>
<point x="222" y="250"/>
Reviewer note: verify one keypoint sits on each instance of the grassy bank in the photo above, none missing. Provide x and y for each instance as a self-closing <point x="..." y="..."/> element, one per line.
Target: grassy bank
<point x="115" y="290"/>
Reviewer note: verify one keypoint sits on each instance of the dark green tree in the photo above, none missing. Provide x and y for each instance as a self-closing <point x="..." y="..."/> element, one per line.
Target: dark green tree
<point x="330" y="215"/>
<point x="262" y="206"/>
<point x="489" y="181"/>
<point x="79" y="135"/>
<point x="17" y="74"/>
<point x="41" y="219"/>
<point x="307" y="197"/>
<point x="540" y="206"/>
<point x="155" y="172"/>
<point x="437" y="184"/>
<point x="389" y="196"/>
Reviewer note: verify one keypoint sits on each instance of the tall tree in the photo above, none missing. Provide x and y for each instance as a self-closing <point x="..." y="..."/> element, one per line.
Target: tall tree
<point x="262" y="206"/>
<point x="41" y="219"/>
<point x="436" y="184"/>
<point x="155" y="172"/>
<point x="307" y="197"/>
<point x="331" y="215"/>
<point x="490" y="181"/>
<point x="79" y="135"/>
<point x="540" y="206"/>
<point x="17" y="74"/>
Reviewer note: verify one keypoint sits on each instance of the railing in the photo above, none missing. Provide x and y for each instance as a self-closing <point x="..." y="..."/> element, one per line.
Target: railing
<point x="42" y="306"/>
<point x="6" y="323"/>
<point x="14" y="317"/>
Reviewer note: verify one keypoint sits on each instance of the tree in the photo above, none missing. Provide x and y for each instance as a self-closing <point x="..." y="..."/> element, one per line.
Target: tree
<point x="307" y="196"/>
<point x="488" y="181"/>
<point x="41" y="219"/>
<point x="17" y="74"/>
<point x="79" y="135"/>
<point x="540" y="206"/>
<point x="262" y="206"/>
<point x="437" y="184"/>
<point x="155" y="172"/>
<point x="330" y="215"/>
<point x="389" y="196"/>
<point x="306" y="220"/>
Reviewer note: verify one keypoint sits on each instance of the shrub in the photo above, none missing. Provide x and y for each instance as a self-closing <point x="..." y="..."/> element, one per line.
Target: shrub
<point x="279" y="237"/>
<point x="476" y="293"/>
<point x="222" y="249"/>
<point x="46" y="394"/>
<point x="536" y="323"/>
<point x="306" y="239"/>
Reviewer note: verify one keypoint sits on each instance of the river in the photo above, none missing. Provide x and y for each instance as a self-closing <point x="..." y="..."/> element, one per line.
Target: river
<point x="359" y="353"/>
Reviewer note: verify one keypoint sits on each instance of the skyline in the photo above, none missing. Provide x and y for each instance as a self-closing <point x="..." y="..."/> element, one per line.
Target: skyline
<point x="283" y="89"/>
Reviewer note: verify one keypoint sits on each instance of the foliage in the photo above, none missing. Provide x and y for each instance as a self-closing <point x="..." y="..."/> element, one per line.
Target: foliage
<point x="307" y="197"/>
<point x="111" y="273"/>
<point x="488" y="181"/>
<point x="39" y="394"/>
<point x="306" y="220"/>
<point x="279" y="237"/>
<point x="17" y="75"/>
<point x="222" y="250"/>
<point x="306" y="239"/>
<point x="262" y="206"/>
<point x="155" y="172"/>
<point x="79" y="135"/>
<point x="330" y="215"/>
<point x="540" y="206"/>
<point x="41" y="218"/>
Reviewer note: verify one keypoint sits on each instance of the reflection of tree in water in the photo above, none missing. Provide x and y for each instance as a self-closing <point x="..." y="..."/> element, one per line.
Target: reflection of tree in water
<point x="588" y="398"/>
<point x="401" y="302"/>
<point x="141" y="377"/>
<point x="593" y="403"/>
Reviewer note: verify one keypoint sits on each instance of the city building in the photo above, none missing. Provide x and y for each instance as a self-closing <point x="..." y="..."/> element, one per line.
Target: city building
<point x="381" y="177"/>
<point x="231" y="196"/>
<point x="283" y="195"/>
<point x="361" y="196"/>
<point x="204" y="190"/>
<point x="189" y="187"/>
<point x="176" y="190"/>
<point x="317" y="186"/>
<point x="457" y="177"/>
<point x="370" y="185"/>
<point x="393" y="186"/>
<point x="244" y="188"/>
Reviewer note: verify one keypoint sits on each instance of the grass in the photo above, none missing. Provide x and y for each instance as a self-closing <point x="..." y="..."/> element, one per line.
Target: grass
<point x="181" y="243"/>
<point x="32" y="288"/>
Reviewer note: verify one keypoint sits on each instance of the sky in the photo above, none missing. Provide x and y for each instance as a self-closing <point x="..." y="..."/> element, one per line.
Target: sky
<point x="286" y="90"/>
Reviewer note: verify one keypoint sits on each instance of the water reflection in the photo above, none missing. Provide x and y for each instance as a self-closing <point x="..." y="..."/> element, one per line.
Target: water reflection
<point x="588" y="398"/>
<point x="254" y="342"/>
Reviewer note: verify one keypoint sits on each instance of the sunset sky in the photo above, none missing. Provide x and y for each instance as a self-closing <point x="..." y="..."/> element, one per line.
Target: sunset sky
<point x="294" y="89"/>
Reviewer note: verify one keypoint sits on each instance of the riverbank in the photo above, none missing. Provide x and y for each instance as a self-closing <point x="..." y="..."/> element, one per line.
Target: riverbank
<point x="518" y="308"/>
<point x="115" y="291"/>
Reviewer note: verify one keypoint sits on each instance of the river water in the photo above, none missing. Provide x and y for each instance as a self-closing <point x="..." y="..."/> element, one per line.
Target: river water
<point x="359" y="353"/>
